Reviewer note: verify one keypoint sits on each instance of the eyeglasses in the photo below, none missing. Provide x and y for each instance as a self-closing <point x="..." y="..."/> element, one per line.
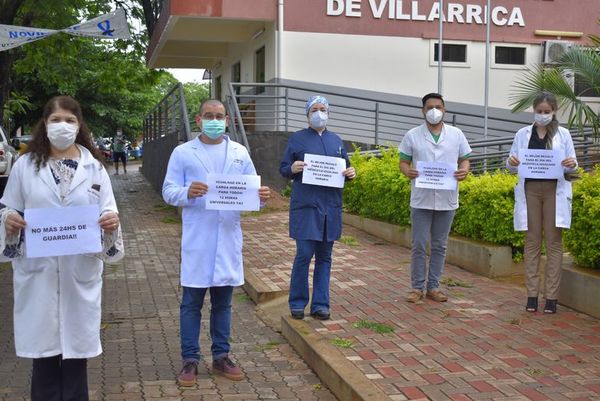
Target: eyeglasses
<point x="211" y="116"/>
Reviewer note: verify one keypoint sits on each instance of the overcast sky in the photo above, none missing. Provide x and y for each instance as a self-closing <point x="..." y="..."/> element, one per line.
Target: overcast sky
<point x="187" y="74"/>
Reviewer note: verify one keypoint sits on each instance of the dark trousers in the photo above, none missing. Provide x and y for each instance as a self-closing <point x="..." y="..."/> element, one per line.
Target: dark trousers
<point x="57" y="379"/>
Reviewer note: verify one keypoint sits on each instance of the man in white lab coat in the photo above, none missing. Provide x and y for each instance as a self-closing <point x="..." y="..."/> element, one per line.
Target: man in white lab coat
<point x="211" y="244"/>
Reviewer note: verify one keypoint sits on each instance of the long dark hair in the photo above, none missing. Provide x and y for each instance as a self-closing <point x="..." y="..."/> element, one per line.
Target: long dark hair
<point x="552" y="128"/>
<point x="39" y="146"/>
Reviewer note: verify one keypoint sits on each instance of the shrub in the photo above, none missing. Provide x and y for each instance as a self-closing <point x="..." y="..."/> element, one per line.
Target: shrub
<point x="583" y="239"/>
<point x="380" y="190"/>
<point x="486" y="210"/>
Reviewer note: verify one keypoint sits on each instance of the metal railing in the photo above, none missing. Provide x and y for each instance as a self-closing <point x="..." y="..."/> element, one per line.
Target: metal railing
<point x="264" y="107"/>
<point x="496" y="152"/>
<point x="371" y="123"/>
<point x="165" y="127"/>
<point x="168" y="117"/>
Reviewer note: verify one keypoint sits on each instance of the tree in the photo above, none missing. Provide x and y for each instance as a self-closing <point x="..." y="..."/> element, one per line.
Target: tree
<point x="115" y="88"/>
<point x="109" y="78"/>
<point x="584" y="62"/>
<point x="47" y="14"/>
<point x="195" y="93"/>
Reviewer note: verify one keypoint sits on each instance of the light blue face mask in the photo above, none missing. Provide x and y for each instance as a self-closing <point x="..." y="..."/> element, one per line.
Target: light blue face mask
<point x="213" y="128"/>
<point x="318" y="119"/>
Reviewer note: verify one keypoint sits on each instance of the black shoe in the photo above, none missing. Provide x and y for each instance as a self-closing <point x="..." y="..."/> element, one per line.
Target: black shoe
<point x="320" y="315"/>
<point x="550" y="306"/>
<point x="298" y="315"/>
<point x="532" y="304"/>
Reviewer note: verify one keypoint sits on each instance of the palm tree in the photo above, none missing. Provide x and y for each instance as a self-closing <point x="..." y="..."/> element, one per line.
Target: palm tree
<point x="584" y="62"/>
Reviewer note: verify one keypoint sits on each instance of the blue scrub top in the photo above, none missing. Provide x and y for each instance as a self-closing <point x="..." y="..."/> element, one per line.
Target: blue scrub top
<point x="313" y="208"/>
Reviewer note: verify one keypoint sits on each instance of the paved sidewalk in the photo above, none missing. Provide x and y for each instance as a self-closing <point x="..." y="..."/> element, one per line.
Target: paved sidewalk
<point x="480" y="345"/>
<point x="140" y="324"/>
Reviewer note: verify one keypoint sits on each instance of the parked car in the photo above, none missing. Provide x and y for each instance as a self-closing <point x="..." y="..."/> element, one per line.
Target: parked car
<point x="21" y="143"/>
<point x="8" y="155"/>
<point x="105" y="146"/>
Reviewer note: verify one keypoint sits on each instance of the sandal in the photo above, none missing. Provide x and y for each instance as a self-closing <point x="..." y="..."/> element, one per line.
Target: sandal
<point x="550" y="306"/>
<point x="532" y="304"/>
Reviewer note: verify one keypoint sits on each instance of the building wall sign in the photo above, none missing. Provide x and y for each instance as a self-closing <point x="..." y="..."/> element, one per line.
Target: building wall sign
<point x="511" y="21"/>
<point x="410" y="11"/>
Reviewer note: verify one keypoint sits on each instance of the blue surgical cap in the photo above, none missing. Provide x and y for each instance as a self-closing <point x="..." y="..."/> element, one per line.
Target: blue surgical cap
<point x="316" y="99"/>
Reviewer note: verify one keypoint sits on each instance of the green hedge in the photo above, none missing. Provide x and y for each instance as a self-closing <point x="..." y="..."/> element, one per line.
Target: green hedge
<point x="583" y="239"/>
<point x="486" y="210"/>
<point x="382" y="192"/>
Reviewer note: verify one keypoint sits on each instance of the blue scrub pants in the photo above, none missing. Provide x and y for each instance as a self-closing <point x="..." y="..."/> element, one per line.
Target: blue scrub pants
<point x="305" y="249"/>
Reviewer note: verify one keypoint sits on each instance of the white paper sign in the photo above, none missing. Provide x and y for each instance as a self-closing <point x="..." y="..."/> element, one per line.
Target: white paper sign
<point x="62" y="231"/>
<point x="540" y="163"/>
<point x="324" y="170"/>
<point x="232" y="192"/>
<point x="434" y="175"/>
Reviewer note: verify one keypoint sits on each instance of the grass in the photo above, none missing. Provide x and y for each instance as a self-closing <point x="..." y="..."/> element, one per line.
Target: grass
<point x="242" y="297"/>
<point x="342" y="343"/>
<point x="318" y="386"/>
<point x="287" y="191"/>
<point x="163" y="207"/>
<point x="268" y="346"/>
<point x="535" y="372"/>
<point x="170" y="220"/>
<point x="515" y="320"/>
<point x="348" y="240"/>
<point x="379" y="328"/>
<point x="452" y="282"/>
<point x="5" y="265"/>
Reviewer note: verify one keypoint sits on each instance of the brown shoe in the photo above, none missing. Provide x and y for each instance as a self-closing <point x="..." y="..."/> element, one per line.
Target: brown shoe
<point x="414" y="296"/>
<point x="226" y="367"/>
<point x="188" y="374"/>
<point x="437" y="295"/>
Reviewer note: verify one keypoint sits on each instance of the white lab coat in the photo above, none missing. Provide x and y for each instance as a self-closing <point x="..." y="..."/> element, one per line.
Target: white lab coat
<point x="57" y="299"/>
<point x="564" y="192"/>
<point x="211" y="244"/>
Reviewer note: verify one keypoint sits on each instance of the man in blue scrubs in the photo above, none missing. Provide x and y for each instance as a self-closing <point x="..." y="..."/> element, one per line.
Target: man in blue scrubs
<point x="315" y="211"/>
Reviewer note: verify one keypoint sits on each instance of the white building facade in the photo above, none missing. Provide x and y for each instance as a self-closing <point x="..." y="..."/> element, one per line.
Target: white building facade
<point x="386" y="46"/>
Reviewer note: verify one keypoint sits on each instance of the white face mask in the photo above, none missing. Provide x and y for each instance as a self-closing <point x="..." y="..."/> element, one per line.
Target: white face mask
<point x="434" y="116"/>
<point x="318" y="119"/>
<point x="543" y="119"/>
<point x="62" y="135"/>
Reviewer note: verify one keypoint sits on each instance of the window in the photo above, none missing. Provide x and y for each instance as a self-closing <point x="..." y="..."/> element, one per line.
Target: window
<point x="450" y="52"/>
<point x="259" y="68"/>
<point x="509" y="55"/>
<point x="236" y="75"/>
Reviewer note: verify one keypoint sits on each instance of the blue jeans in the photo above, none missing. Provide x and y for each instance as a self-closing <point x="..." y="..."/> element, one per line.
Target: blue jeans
<point x="429" y="226"/>
<point x="305" y="249"/>
<point x="190" y="315"/>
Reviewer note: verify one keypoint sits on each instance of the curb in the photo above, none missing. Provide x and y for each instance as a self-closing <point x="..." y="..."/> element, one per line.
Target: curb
<point x="340" y="375"/>
<point x="344" y="379"/>
<point x="257" y="290"/>
<point x="485" y="259"/>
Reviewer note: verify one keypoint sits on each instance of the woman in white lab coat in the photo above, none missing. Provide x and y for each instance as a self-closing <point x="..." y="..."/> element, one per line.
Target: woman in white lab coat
<point x="543" y="206"/>
<point x="57" y="299"/>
